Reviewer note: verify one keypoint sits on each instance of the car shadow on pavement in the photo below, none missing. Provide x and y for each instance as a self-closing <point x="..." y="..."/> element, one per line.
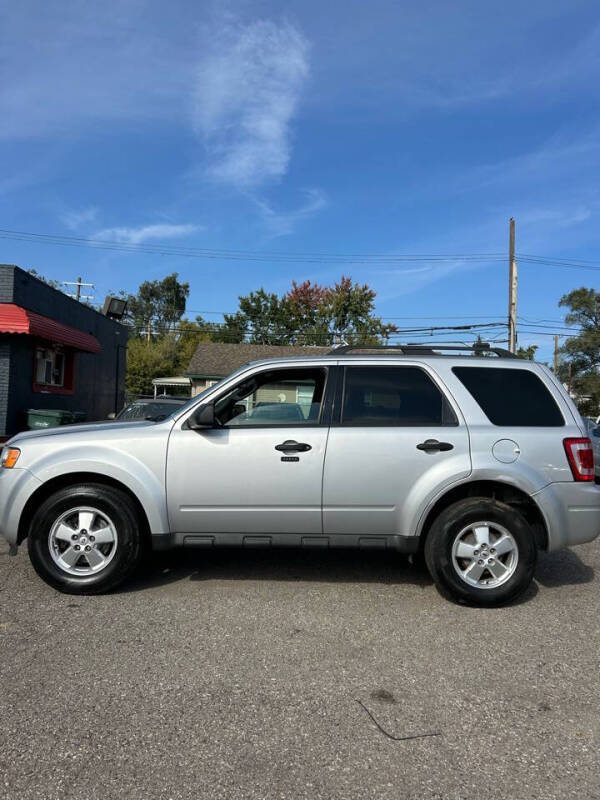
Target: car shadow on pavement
<point x="553" y="570"/>
<point x="563" y="568"/>
<point x="233" y="564"/>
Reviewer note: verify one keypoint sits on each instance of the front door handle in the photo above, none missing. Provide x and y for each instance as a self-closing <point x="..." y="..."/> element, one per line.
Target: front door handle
<point x="290" y="446"/>
<point x="433" y="446"/>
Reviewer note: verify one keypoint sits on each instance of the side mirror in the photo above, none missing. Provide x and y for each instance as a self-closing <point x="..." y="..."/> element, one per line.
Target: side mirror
<point x="112" y="415"/>
<point x="204" y="417"/>
<point x="596" y="432"/>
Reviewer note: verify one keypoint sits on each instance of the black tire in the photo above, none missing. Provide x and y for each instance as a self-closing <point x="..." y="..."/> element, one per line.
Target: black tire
<point x="443" y="534"/>
<point x="118" y="507"/>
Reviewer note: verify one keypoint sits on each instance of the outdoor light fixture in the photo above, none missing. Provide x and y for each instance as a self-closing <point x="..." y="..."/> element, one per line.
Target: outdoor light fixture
<point x="114" y="307"/>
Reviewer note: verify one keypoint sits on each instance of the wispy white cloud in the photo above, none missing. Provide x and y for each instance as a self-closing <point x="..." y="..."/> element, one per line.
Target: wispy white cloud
<point x="408" y="280"/>
<point x="145" y="233"/>
<point x="564" y="154"/>
<point x="557" y="216"/>
<point x="413" y="57"/>
<point x="577" y="68"/>
<point x="247" y="93"/>
<point x="538" y="80"/>
<point x="282" y="223"/>
<point x="76" y="219"/>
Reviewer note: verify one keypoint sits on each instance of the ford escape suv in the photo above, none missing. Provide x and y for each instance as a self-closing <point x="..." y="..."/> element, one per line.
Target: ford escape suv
<point x="476" y="459"/>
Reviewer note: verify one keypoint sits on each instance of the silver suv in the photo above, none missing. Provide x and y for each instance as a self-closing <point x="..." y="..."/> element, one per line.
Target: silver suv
<point x="476" y="459"/>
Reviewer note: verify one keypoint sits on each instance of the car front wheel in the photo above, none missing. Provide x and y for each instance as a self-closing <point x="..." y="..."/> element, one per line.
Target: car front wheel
<point x="85" y="539"/>
<point x="481" y="551"/>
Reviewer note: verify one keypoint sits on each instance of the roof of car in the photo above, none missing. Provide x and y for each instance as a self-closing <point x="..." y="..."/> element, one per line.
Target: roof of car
<point x="382" y="359"/>
<point x="218" y="359"/>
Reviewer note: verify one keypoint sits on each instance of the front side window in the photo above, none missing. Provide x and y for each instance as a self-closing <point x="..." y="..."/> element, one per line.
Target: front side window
<point x="393" y="396"/>
<point x="511" y="396"/>
<point x="276" y="397"/>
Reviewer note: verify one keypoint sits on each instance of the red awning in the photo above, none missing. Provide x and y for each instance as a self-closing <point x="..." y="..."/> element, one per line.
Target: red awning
<point x="14" y="319"/>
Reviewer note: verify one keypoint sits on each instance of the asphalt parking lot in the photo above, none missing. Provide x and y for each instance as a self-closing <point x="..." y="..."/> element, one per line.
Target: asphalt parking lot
<point x="263" y="675"/>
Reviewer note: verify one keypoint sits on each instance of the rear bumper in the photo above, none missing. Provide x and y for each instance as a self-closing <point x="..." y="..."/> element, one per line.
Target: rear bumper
<point x="16" y="487"/>
<point x="571" y="511"/>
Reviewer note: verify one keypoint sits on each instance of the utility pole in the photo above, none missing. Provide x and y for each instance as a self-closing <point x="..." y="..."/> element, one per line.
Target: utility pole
<point x="512" y="290"/>
<point x="78" y="284"/>
<point x="148" y="333"/>
<point x="556" y="354"/>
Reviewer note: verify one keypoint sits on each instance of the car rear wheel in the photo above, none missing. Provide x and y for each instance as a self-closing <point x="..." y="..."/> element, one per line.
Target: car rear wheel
<point x="481" y="551"/>
<point x="85" y="539"/>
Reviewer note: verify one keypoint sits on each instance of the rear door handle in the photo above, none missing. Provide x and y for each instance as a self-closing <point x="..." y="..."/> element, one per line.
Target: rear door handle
<point x="433" y="446"/>
<point x="290" y="446"/>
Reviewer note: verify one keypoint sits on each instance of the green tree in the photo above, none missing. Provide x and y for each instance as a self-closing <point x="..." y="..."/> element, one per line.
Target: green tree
<point x="580" y="366"/>
<point x="262" y="317"/>
<point x="351" y="312"/>
<point x="189" y="334"/>
<point x="233" y="330"/>
<point x="308" y="308"/>
<point x="147" y="360"/>
<point x="158" y="305"/>
<point x="49" y="281"/>
<point x="309" y="314"/>
<point x="527" y="352"/>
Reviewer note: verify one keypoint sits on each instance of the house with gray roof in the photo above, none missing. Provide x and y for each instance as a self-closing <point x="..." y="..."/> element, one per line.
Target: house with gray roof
<point x="214" y="360"/>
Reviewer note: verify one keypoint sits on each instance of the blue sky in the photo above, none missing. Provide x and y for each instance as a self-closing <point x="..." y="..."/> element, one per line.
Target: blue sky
<point x="338" y="127"/>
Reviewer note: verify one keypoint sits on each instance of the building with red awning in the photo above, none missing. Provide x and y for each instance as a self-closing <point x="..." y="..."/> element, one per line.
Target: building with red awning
<point x="55" y="353"/>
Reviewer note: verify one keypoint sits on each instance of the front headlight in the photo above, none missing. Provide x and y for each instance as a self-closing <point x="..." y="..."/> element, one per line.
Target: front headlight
<point x="9" y="457"/>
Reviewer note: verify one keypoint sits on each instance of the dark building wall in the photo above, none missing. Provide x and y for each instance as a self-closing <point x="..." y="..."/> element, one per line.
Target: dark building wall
<point x="4" y="381"/>
<point x="99" y="386"/>
<point x="7" y="280"/>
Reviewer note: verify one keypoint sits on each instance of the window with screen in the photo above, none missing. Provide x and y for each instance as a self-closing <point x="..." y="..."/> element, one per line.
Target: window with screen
<point x="393" y="396"/>
<point x="53" y="369"/>
<point x="511" y="396"/>
<point x="49" y="366"/>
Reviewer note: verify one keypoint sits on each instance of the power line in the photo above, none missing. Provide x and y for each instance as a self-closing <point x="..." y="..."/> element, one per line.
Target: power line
<point x="270" y="330"/>
<point x="245" y="255"/>
<point x="574" y="261"/>
<point x="288" y="257"/>
<point x="437" y="316"/>
<point x="543" y="319"/>
<point x="548" y="333"/>
<point x="559" y="264"/>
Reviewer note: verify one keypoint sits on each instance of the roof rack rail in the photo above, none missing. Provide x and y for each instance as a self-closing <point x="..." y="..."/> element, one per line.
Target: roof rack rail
<point x="425" y="349"/>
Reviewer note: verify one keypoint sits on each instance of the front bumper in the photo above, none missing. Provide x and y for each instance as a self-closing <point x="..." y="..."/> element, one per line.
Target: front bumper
<point x="16" y="487"/>
<point x="571" y="511"/>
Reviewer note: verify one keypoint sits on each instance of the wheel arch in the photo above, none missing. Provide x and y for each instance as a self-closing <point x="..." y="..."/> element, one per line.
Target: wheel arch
<point x="496" y="490"/>
<point x="69" y="479"/>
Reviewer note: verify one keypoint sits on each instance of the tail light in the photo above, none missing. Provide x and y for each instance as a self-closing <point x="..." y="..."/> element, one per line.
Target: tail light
<point x="580" y="454"/>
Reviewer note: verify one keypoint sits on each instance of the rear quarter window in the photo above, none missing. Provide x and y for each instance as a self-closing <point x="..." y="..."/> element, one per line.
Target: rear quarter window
<point x="511" y="396"/>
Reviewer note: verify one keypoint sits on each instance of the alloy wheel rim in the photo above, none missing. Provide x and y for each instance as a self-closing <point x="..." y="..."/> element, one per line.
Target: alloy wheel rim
<point x="485" y="555"/>
<point x="83" y="541"/>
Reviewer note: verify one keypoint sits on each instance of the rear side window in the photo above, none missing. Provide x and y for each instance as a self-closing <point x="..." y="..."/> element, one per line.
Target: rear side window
<point x="515" y="397"/>
<point x="395" y="396"/>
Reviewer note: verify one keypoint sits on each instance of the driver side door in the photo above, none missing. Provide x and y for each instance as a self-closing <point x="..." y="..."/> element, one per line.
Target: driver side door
<point x="259" y="470"/>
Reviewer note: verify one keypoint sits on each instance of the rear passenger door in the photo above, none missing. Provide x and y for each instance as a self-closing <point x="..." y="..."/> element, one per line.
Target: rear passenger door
<point x="397" y="439"/>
